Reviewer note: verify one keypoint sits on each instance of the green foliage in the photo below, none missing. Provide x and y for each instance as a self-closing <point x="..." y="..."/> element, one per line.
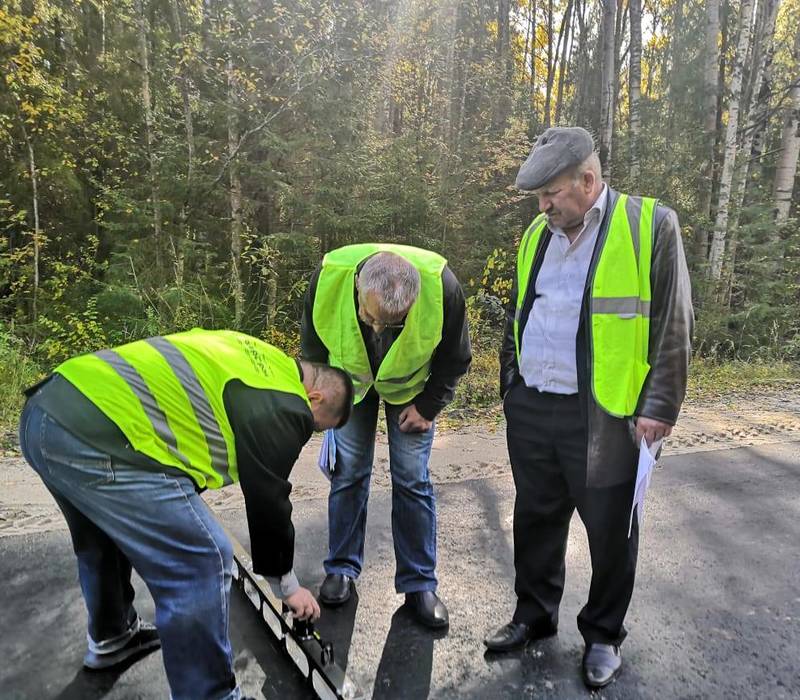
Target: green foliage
<point x="347" y="122"/>
<point x="17" y="372"/>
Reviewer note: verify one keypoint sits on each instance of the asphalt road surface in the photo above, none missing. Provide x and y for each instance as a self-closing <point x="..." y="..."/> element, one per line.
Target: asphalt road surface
<point x="715" y="613"/>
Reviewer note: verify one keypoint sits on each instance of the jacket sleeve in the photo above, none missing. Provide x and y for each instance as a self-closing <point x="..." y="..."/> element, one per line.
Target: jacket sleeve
<point x="452" y="356"/>
<point x="671" y="324"/>
<point x="311" y="347"/>
<point x="270" y="429"/>
<point x="509" y="369"/>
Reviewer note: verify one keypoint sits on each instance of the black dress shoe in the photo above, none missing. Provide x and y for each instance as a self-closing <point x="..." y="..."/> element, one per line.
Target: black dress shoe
<point x="428" y="609"/>
<point x="335" y="589"/>
<point x="602" y="663"/>
<point x="516" y="635"/>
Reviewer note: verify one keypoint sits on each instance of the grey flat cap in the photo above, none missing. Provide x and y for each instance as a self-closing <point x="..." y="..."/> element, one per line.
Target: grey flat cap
<point x="557" y="149"/>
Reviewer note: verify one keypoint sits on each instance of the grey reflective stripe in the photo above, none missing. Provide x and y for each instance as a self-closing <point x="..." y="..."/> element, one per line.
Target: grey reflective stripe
<point x="620" y="305"/>
<point x="518" y="314"/>
<point x="201" y="406"/>
<point x="633" y="208"/>
<point x="151" y="408"/>
<point x="403" y="380"/>
<point x="362" y="378"/>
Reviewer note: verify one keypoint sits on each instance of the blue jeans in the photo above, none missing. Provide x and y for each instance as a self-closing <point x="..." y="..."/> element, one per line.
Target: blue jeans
<point x="121" y="516"/>
<point x="413" y="501"/>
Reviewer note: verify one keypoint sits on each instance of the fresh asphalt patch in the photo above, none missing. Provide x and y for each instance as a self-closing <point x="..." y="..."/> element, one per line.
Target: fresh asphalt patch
<point x="715" y="613"/>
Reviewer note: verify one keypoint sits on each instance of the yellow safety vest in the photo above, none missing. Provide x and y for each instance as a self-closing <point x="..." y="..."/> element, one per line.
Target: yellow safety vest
<point x="619" y="303"/>
<point x="165" y="394"/>
<point x="406" y="367"/>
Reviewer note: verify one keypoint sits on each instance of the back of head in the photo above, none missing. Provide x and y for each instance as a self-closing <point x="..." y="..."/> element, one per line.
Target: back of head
<point x="393" y="280"/>
<point x="337" y="388"/>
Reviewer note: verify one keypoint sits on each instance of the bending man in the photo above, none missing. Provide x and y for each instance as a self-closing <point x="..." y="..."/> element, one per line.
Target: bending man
<point x="125" y="439"/>
<point x="393" y="317"/>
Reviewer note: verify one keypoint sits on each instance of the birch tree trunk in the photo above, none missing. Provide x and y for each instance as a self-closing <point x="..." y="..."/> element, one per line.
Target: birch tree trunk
<point x="607" y="85"/>
<point x="710" y="81"/>
<point x="763" y="52"/>
<point x="635" y="84"/>
<point x="790" y="146"/>
<point x="723" y="203"/>
<point x="144" y="61"/>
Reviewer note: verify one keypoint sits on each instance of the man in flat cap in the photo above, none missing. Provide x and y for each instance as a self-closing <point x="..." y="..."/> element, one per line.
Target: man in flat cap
<point x="594" y="359"/>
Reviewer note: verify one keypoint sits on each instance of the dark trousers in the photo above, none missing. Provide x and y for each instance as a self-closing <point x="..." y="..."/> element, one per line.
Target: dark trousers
<point x="547" y="446"/>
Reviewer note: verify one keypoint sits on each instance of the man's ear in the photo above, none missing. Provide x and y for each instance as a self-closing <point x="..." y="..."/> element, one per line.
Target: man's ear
<point x="589" y="180"/>
<point x="315" y="397"/>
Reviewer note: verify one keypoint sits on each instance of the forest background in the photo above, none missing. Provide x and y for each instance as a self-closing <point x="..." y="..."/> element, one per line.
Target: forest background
<point x="166" y="164"/>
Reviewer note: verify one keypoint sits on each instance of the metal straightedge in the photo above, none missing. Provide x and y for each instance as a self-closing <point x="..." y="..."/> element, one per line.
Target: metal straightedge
<point x="313" y="657"/>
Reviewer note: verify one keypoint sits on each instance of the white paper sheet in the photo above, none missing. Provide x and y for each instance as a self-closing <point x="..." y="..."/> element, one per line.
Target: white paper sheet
<point x="644" y="472"/>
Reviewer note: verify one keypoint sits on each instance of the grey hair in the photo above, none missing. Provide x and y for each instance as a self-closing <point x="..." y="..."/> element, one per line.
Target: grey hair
<point x="592" y="163"/>
<point x="394" y="281"/>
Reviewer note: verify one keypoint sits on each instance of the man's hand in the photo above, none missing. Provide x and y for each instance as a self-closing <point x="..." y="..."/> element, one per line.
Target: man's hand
<point x="303" y="604"/>
<point x="412" y="422"/>
<point x="651" y="429"/>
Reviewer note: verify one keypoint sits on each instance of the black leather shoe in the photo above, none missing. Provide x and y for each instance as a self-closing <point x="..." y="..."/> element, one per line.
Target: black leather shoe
<point x="516" y="635"/>
<point x="428" y="609"/>
<point x="335" y="589"/>
<point x="602" y="663"/>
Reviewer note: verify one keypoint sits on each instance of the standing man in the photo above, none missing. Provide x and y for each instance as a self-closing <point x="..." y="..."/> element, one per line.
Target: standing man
<point x="594" y="358"/>
<point x="393" y="317"/>
<point x="125" y="440"/>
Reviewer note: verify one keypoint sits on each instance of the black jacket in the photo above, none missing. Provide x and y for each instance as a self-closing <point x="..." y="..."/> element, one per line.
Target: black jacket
<point x="611" y="453"/>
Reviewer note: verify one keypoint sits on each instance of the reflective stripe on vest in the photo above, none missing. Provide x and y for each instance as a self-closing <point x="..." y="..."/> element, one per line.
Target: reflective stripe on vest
<point x="166" y="394"/>
<point x="619" y="303"/>
<point x="406" y="366"/>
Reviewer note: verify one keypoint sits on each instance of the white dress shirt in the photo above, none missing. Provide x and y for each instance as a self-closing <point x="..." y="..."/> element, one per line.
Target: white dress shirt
<point x="547" y="355"/>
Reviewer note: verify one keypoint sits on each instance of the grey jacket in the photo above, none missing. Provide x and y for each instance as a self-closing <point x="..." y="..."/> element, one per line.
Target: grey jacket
<point x="611" y="452"/>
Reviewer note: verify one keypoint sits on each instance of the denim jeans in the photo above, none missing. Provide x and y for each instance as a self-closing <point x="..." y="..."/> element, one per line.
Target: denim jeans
<point x="413" y="501"/>
<point x="121" y="516"/>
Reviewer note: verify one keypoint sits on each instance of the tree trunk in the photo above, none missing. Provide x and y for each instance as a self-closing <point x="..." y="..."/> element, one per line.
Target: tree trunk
<point x="502" y="102"/>
<point x="790" y="146"/>
<point x="185" y="84"/>
<point x="36" y="228"/>
<point x="562" y="69"/>
<point x="723" y="202"/>
<point x="548" y="88"/>
<point x="607" y="85"/>
<point x="710" y="81"/>
<point x="533" y="122"/>
<point x="235" y="195"/>
<point x="451" y="20"/>
<point x="635" y="88"/>
<point x="763" y="99"/>
<point x="144" y="61"/>
<point x="756" y="112"/>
